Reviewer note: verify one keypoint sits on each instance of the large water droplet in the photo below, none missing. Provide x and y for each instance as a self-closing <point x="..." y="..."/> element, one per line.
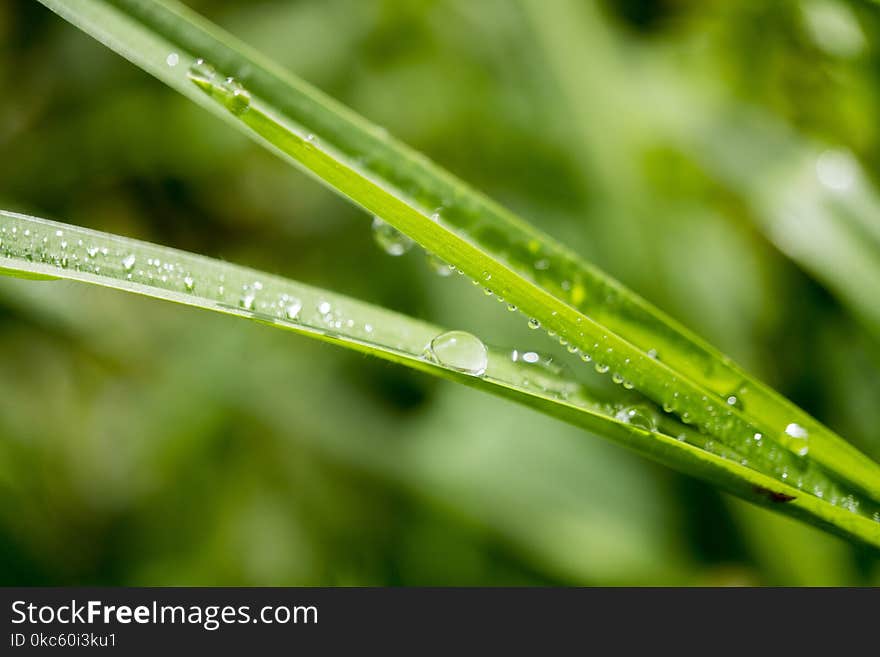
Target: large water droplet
<point x="128" y="262"/>
<point x="438" y="266"/>
<point x="228" y="90"/>
<point x="460" y="351"/>
<point x="292" y="310"/>
<point x="534" y="323"/>
<point x="235" y="97"/>
<point x="389" y="239"/>
<point x="796" y="439"/>
<point x="637" y="416"/>
<point x="531" y="357"/>
<point x="247" y="301"/>
<point x="203" y="75"/>
<point x="836" y="170"/>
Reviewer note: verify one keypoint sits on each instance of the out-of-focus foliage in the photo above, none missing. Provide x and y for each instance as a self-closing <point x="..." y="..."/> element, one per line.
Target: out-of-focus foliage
<point x="200" y="450"/>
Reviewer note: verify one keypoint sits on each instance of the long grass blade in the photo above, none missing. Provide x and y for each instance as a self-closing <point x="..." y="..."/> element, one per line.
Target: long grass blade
<point x="41" y="249"/>
<point x="606" y="323"/>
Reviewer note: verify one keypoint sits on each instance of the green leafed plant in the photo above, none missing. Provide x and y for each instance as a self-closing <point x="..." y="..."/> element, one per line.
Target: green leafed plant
<point x="717" y="421"/>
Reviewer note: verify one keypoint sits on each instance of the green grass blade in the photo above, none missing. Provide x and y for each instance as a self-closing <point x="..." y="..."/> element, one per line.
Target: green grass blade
<point x="37" y="248"/>
<point x="619" y="331"/>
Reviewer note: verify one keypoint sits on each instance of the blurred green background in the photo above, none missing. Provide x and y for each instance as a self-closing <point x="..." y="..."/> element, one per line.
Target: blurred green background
<point x="719" y="158"/>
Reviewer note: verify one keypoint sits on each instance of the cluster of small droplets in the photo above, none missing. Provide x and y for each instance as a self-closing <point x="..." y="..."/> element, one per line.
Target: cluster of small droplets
<point x="225" y="89"/>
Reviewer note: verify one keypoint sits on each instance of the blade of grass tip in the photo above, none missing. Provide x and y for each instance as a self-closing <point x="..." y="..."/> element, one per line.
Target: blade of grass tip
<point x="33" y="247"/>
<point x="716" y="142"/>
<point x="587" y="309"/>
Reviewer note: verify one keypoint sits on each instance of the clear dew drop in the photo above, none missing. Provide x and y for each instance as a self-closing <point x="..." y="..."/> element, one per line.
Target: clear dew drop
<point x="534" y="323"/>
<point x="460" y="351"/>
<point x="247" y="300"/>
<point x="438" y="266"/>
<point x="616" y="378"/>
<point x="236" y="98"/>
<point x="601" y="368"/>
<point x="637" y="416"/>
<point x="531" y="357"/>
<point x="203" y="75"/>
<point x="586" y="357"/>
<point x="228" y="90"/>
<point x="796" y="438"/>
<point x="292" y="310"/>
<point x="389" y="239"/>
<point x="173" y="59"/>
<point x="128" y="262"/>
<point x="324" y="307"/>
<point x="836" y="170"/>
<point x="189" y="283"/>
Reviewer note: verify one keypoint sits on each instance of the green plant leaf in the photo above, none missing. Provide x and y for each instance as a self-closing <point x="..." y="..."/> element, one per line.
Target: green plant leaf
<point x="605" y="322"/>
<point x="31" y="247"/>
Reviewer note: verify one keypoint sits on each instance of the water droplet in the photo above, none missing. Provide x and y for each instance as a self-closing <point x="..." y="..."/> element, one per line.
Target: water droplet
<point x="189" y="283"/>
<point x="534" y="323"/>
<point x="228" y="91"/>
<point x="438" y="266"/>
<point x="836" y="170"/>
<point x="572" y="349"/>
<point x="616" y="378"/>
<point x="586" y="357"/>
<point x="531" y="357"/>
<point x="173" y="59"/>
<point x="796" y="439"/>
<point x="511" y="307"/>
<point x="652" y="353"/>
<point x="460" y="351"/>
<point x="601" y="368"/>
<point x="637" y="416"/>
<point x="235" y="97"/>
<point x="733" y="400"/>
<point x="247" y="301"/>
<point x="203" y="75"/>
<point x="389" y="239"/>
<point x="128" y="262"/>
<point x="293" y="309"/>
<point x="324" y="307"/>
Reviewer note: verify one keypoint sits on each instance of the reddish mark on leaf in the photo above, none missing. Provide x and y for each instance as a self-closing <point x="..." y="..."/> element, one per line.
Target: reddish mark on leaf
<point x="773" y="495"/>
